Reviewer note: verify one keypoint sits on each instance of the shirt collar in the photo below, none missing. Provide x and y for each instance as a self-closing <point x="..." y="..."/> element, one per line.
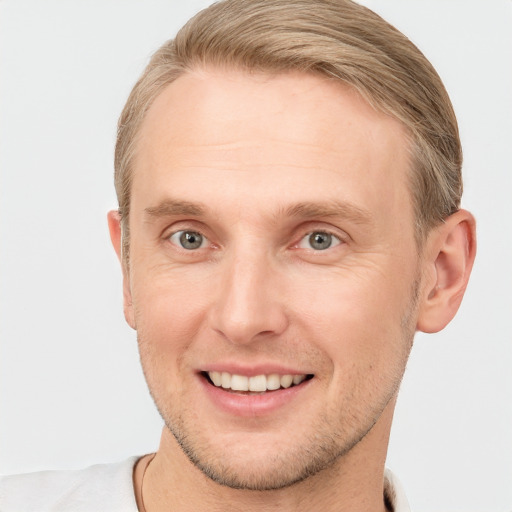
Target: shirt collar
<point x="394" y="493"/>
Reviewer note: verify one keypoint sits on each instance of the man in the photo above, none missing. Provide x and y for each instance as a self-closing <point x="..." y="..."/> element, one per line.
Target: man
<point x="288" y="176"/>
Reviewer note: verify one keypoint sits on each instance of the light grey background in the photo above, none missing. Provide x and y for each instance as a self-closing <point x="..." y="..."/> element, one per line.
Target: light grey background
<point x="71" y="391"/>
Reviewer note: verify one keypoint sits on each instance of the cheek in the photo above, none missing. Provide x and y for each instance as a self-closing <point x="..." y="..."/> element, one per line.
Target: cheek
<point x="167" y="323"/>
<point x="168" y="312"/>
<point x="356" y="317"/>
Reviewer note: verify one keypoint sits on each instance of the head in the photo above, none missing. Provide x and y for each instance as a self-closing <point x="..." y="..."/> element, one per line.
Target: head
<point x="288" y="176"/>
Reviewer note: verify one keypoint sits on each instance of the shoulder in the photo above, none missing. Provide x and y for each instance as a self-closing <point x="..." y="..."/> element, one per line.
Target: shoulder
<point x="107" y="487"/>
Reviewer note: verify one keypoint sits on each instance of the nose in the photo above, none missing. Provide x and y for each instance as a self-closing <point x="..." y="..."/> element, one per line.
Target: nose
<point x="248" y="305"/>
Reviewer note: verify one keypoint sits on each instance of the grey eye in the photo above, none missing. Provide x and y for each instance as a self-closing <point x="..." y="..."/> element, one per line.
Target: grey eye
<point x="319" y="241"/>
<point x="189" y="240"/>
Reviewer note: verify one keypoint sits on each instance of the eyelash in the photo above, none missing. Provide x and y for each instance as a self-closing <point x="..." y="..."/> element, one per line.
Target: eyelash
<point x="198" y="241"/>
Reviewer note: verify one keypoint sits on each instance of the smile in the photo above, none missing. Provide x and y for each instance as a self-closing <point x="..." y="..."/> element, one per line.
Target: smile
<point x="256" y="383"/>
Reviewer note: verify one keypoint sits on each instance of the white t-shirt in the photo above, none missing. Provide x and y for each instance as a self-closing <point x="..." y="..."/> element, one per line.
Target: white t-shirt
<point x="99" y="488"/>
<point x="104" y="488"/>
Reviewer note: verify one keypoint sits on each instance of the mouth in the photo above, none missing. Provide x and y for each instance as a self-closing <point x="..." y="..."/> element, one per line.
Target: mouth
<point x="254" y="385"/>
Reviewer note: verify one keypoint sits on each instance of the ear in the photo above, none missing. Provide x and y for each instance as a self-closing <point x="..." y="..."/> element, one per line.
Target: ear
<point x="448" y="258"/>
<point x="114" y="227"/>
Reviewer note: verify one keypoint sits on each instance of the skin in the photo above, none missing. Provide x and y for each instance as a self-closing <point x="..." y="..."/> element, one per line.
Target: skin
<point x="255" y="164"/>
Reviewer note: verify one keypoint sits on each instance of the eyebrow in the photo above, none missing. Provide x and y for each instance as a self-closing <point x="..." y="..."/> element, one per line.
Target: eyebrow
<point x="303" y="210"/>
<point x="339" y="209"/>
<point x="171" y="207"/>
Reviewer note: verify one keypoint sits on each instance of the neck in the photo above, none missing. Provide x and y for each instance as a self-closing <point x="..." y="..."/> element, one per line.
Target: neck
<point x="353" y="483"/>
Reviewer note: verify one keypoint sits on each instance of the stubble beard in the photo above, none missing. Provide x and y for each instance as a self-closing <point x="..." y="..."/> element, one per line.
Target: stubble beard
<point x="318" y="452"/>
<point x="321" y="450"/>
<point x="311" y="456"/>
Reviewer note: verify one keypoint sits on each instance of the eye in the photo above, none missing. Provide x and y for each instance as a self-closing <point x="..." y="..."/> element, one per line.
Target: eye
<point x="319" y="241"/>
<point x="189" y="240"/>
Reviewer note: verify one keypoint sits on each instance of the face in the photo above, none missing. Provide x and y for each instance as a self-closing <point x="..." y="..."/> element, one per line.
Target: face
<point x="273" y="270"/>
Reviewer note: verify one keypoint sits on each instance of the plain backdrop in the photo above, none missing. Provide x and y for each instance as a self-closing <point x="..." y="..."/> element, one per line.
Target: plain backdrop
<point x="71" y="390"/>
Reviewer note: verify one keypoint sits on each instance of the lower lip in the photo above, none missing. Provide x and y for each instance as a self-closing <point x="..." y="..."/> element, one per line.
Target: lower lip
<point x="252" y="405"/>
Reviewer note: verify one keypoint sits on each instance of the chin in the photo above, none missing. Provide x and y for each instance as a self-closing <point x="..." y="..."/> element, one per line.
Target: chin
<point x="260" y="463"/>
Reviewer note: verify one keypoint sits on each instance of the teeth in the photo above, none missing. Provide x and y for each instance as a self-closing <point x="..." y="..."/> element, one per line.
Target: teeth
<point x="258" y="383"/>
<point x="225" y="380"/>
<point x="297" y="379"/>
<point x="286" y="381"/>
<point x="216" y="378"/>
<point x="273" y="382"/>
<point x="239" y="383"/>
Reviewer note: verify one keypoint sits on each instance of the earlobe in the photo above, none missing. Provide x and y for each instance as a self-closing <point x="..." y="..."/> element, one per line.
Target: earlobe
<point x="114" y="226"/>
<point x="449" y="255"/>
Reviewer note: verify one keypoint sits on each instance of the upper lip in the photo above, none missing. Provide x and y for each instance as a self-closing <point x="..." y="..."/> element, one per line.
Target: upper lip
<point x="253" y="370"/>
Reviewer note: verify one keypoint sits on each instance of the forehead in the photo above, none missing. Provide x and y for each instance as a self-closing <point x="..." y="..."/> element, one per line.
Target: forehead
<point x="266" y="141"/>
<point x="206" y="104"/>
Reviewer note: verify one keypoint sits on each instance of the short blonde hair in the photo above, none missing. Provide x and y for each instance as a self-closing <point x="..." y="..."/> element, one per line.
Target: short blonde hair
<point x="336" y="38"/>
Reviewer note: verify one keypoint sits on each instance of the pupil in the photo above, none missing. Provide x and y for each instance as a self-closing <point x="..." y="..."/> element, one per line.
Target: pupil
<point x="191" y="240"/>
<point x="320" y="240"/>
